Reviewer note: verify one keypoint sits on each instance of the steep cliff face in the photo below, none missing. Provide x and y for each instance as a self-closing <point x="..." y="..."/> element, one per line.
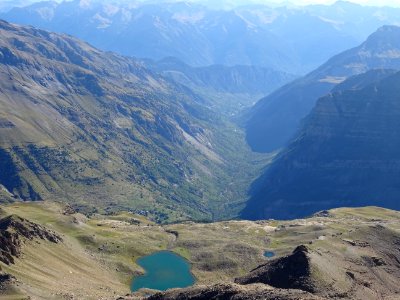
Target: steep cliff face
<point x="275" y="119"/>
<point x="345" y="155"/>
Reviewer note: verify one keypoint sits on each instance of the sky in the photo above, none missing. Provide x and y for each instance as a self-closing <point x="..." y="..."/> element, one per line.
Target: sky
<point x="394" y="3"/>
<point x="363" y="2"/>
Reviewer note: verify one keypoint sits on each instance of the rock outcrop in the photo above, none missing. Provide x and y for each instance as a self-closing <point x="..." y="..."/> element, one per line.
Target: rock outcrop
<point x="289" y="272"/>
<point x="229" y="291"/>
<point x="6" y="281"/>
<point x="14" y="231"/>
<point x="368" y="271"/>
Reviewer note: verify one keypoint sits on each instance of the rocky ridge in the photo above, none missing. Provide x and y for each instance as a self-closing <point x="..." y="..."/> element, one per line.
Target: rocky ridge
<point x="229" y="291"/>
<point x="14" y="231"/>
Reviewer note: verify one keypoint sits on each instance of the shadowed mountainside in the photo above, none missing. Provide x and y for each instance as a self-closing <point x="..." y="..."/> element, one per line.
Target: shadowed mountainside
<point x="346" y="154"/>
<point x="274" y="120"/>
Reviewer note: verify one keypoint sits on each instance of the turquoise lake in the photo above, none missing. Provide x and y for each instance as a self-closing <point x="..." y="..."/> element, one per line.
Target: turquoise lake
<point x="164" y="270"/>
<point x="269" y="254"/>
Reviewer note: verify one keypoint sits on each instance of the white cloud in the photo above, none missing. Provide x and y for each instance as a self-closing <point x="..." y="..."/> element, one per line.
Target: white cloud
<point x="84" y="3"/>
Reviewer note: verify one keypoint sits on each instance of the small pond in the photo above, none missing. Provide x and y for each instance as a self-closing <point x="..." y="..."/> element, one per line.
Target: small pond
<point x="163" y="270"/>
<point x="269" y="254"/>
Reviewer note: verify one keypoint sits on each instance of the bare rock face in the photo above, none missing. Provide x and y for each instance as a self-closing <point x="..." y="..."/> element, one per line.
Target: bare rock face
<point x="230" y="291"/>
<point x="14" y="231"/>
<point x="68" y="210"/>
<point x="6" y="280"/>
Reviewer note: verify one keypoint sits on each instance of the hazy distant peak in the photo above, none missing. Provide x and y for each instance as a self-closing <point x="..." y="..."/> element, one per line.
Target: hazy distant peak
<point x="387" y="36"/>
<point x="345" y="3"/>
<point x="389" y="28"/>
<point x="43" y="4"/>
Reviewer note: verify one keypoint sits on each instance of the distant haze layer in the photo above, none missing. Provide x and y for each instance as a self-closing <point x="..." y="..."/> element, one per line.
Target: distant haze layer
<point x="393" y="3"/>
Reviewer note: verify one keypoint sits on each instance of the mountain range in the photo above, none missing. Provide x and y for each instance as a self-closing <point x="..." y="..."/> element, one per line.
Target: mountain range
<point x="114" y="165"/>
<point x="107" y="132"/>
<point x="194" y="34"/>
<point x="287" y="38"/>
<point x="274" y="120"/>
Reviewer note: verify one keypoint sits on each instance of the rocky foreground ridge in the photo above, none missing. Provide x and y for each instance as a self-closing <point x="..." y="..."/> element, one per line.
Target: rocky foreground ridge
<point x="15" y="230"/>
<point x="346" y="253"/>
